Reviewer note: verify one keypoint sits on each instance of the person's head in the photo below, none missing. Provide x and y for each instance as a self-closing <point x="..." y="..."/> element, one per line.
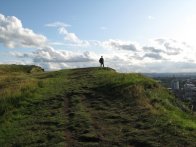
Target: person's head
<point x="101" y="56"/>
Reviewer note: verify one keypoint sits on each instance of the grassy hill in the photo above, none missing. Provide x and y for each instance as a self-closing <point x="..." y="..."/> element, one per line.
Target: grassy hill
<point x="89" y="107"/>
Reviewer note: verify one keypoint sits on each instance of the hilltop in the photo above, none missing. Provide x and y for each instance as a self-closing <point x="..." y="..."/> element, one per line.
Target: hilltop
<point x="89" y="107"/>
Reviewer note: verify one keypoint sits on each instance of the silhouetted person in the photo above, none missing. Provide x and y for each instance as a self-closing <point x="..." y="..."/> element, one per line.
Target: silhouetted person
<point x="101" y="61"/>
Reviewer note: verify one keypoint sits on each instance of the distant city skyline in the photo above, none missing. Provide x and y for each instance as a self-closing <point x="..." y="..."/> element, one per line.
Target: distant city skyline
<point x="132" y="36"/>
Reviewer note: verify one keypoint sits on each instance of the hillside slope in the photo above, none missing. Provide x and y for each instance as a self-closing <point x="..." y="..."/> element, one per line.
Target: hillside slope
<point x="90" y="107"/>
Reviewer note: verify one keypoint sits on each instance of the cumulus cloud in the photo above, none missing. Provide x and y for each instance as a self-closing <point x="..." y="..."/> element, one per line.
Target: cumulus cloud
<point x="51" y="55"/>
<point x="57" y="43"/>
<point x="68" y="36"/>
<point x="157" y="49"/>
<point x="158" y="55"/>
<point x="56" y="56"/>
<point x="120" y="45"/>
<point x="152" y="49"/>
<point x="19" y="54"/>
<point x="152" y="52"/>
<point x="153" y="56"/>
<point x="51" y="59"/>
<point x="57" y="24"/>
<point x="72" y="37"/>
<point x="166" y="48"/>
<point x="172" y="47"/>
<point x="171" y="50"/>
<point x="14" y="35"/>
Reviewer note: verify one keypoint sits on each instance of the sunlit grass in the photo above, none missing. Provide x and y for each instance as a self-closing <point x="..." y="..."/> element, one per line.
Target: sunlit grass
<point x="13" y="90"/>
<point x="151" y="95"/>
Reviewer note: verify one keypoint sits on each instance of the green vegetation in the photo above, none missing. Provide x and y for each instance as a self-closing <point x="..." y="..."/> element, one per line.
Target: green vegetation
<point x="89" y="107"/>
<point x="31" y="106"/>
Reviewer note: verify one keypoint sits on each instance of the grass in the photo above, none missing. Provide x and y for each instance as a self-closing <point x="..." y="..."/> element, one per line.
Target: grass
<point x="89" y="107"/>
<point x="31" y="108"/>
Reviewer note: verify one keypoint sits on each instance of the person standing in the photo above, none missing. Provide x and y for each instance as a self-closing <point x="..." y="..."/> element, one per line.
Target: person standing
<point x="101" y="61"/>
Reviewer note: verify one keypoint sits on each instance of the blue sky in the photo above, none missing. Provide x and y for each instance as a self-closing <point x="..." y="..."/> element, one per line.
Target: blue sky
<point x="132" y="35"/>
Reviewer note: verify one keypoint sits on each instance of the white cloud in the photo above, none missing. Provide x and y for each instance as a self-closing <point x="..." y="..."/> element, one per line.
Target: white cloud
<point x="19" y="54"/>
<point x="57" y="43"/>
<point x="57" y="24"/>
<point x="72" y="37"/>
<point x="153" y="56"/>
<point x="14" y="35"/>
<point x="158" y="55"/>
<point x="51" y="55"/>
<point x="169" y="49"/>
<point x="120" y="45"/>
<point x="51" y="59"/>
<point x="68" y="36"/>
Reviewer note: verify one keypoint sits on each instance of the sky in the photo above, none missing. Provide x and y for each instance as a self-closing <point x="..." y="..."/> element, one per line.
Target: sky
<point x="131" y="35"/>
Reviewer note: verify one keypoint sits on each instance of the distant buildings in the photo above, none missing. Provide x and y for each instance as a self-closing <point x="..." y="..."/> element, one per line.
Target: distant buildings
<point x="186" y="91"/>
<point x="183" y="87"/>
<point x="175" y="85"/>
<point x="189" y="91"/>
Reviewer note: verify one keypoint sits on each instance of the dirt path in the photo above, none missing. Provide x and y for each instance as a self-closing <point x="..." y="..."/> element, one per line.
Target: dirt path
<point x="85" y="108"/>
